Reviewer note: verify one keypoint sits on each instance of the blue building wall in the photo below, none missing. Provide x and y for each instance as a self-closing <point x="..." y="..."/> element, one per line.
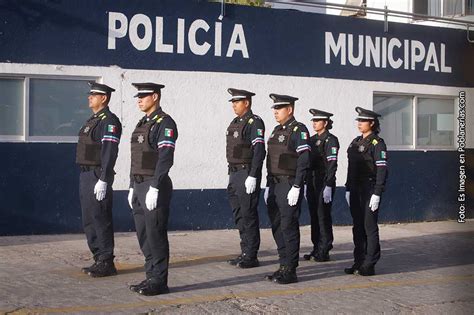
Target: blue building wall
<point x="39" y="193"/>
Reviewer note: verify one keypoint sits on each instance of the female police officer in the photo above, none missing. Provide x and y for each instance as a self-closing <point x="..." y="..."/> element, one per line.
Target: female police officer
<point x="321" y="184"/>
<point x="366" y="176"/>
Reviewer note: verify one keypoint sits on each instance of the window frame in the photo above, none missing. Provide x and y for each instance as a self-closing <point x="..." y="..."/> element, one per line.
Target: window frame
<point x="415" y="97"/>
<point x="441" y="10"/>
<point x="26" y="138"/>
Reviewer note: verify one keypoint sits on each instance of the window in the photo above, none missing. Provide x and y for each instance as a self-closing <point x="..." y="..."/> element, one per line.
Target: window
<point x="416" y="122"/>
<point x="43" y="109"/>
<point x="443" y="7"/>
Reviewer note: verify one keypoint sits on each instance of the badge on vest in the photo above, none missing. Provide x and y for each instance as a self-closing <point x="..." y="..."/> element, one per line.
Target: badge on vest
<point x="361" y="148"/>
<point x="141" y="139"/>
<point x="236" y="134"/>
<point x="318" y="142"/>
<point x="86" y="130"/>
<point x="281" y="138"/>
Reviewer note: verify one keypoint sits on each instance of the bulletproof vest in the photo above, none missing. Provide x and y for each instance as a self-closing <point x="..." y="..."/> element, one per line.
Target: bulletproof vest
<point x="281" y="161"/>
<point x="238" y="149"/>
<point x="318" y="155"/>
<point x="359" y="154"/>
<point x="88" y="150"/>
<point x="144" y="156"/>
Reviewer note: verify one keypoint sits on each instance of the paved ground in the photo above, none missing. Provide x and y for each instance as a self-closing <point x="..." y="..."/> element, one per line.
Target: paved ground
<point x="426" y="268"/>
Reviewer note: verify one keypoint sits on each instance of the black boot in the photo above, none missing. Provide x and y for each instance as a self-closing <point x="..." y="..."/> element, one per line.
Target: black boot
<point x="365" y="271"/>
<point x="276" y="274"/>
<point x="136" y="287"/>
<point x="235" y="261"/>
<point x="352" y="270"/>
<point x="91" y="267"/>
<point x="309" y="256"/>
<point x="104" y="268"/>
<point x="248" y="263"/>
<point x="152" y="288"/>
<point x="287" y="276"/>
<point x="322" y="257"/>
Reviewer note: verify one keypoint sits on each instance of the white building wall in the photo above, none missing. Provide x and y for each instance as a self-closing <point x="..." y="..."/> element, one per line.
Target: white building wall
<point x="198" y="101"/>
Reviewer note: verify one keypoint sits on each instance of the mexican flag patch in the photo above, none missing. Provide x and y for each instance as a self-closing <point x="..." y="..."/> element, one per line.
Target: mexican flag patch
<point x="334" y="150"/>
<point x="383" y="155"/>
<point x="169" y="132"/>
<point x="260" y="132"/>
<point x="304" y="136"/>
<point x="112" y="128"/>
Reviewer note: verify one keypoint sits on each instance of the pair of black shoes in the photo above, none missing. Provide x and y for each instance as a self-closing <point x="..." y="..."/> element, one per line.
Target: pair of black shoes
<point x="99" y="269"/>
<point x="244" y="262"/>
<point x="149" y="288"/>
<point x="317" y="256"/>
<point x="360" y="270"/>
<point x="284" y="275"/>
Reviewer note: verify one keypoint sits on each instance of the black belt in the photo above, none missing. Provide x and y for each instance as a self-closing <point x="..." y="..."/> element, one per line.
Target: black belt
<point x="141" y="178"/>
<point x="87" y="168"/>
<point x="282" y="179"/>
<point x="238" y="167"/>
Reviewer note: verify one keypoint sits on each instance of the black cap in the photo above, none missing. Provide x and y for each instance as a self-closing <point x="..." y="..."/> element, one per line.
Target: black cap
<point x="365" y="114"/>
<point x="147" y="88"/>
<point x="238" y="95"/>
<point x="320" y="114"/>
<point x="280" y="101"/>
<point x="97" y="88"/>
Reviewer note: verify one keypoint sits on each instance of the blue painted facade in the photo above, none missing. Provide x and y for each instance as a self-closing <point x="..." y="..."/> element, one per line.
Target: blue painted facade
<point x="39" y="193"/>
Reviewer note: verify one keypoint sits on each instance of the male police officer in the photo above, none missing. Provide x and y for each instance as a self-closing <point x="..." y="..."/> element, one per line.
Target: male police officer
<point x="152" y="145"/>
<point x="287" y="164"/>
<point x="96" y="154"/>
<point x="321" y="184"/>
<point x="245" y="154"/>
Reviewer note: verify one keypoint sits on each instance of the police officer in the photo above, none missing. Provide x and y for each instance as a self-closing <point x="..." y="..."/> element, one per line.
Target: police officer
<point x="152" y="147"/>
<point x="287" y="164"/>
<point x="366" y="177"/>
<point x="245" y="154"/>
<point x="321" y="184"/>
<point x="96" y="154"/>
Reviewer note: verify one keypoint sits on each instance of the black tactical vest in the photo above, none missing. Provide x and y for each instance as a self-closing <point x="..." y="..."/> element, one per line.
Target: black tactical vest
<point x="88" y="150"/>
<point x="281" y="161"/>
<point x="144" y="156"/>
<point x="359" y="155"/>
<point x="238" y="149"/>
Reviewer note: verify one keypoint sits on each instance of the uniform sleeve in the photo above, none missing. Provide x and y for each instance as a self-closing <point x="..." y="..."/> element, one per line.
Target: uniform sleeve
<point x="257" y="133"/>
<point x="331" y="152"/>
<point x="380" y="159"/>
<point x="301" y="138"/>
<point x="165" y="141"/>
<point x="111" y="131"/>
<point x="350" y="172"/>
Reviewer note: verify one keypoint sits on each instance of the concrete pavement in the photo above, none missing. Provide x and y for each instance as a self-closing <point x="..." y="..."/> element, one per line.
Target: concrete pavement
<point x="426" y="268"/>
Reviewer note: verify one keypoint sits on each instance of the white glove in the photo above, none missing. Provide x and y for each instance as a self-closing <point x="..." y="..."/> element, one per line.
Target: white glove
<point x="151" y="199"/>
<point x="327" y="194"/>
<point x="250" y="184"/>
<point x="374" y="202"/>
<point x="100" y="189"/>
<point x="293" y="196"/>
<point x="348" y="198"/>
<point x="265" y="195"/>
<point x="305" y="191"/>
<point x="130" y="197"/>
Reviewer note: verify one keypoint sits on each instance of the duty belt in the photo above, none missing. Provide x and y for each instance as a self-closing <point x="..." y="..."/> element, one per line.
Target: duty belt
<point x="140" y="178"/>
<point x="238" y="167"/>
<point x="281" y="179"/>
<point x="87" y="168"/>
